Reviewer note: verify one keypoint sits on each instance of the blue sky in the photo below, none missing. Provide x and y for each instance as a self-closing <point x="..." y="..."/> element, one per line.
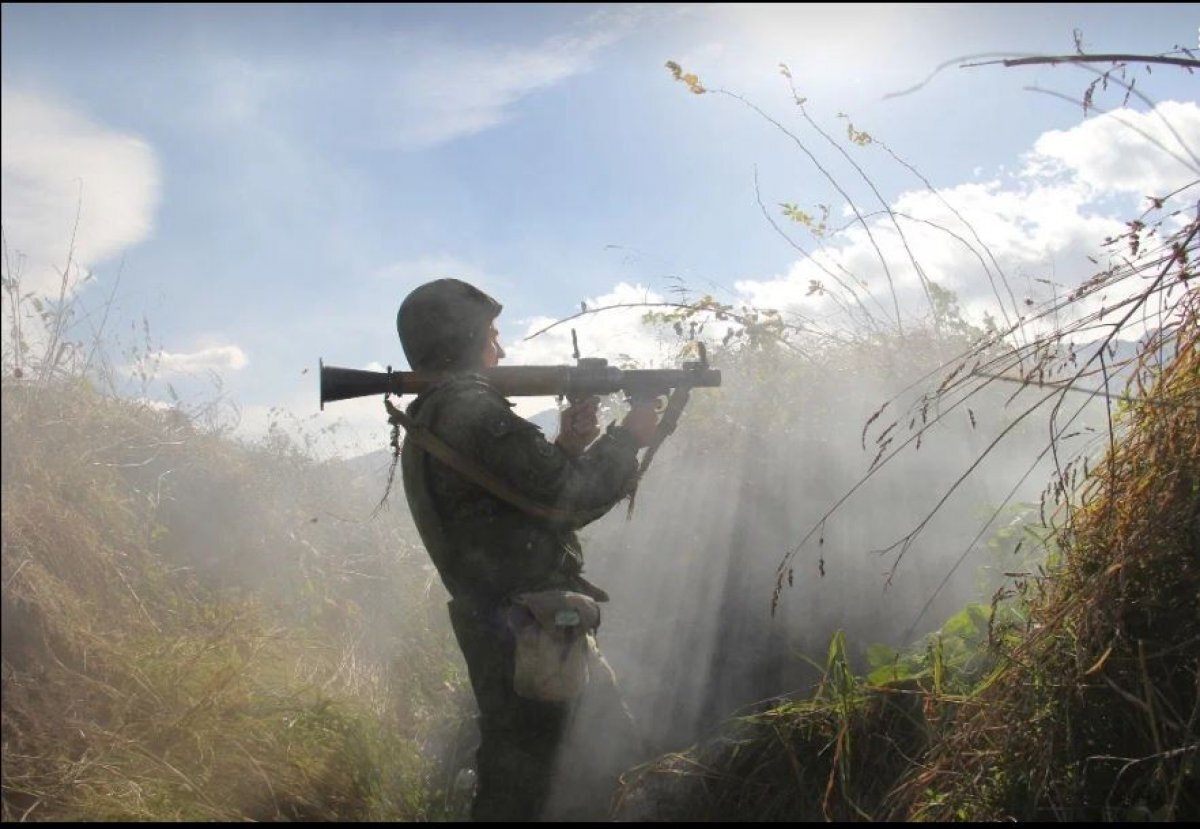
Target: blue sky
<point x="276" y="178"/>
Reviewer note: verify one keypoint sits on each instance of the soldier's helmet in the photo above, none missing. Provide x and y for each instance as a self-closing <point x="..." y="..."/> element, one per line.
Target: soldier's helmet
<point x="443" y="325"/>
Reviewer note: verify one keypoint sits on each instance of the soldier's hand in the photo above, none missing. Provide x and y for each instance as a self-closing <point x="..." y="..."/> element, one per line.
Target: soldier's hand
<point x="642" y="421"/>
<point x="579" y="425"/>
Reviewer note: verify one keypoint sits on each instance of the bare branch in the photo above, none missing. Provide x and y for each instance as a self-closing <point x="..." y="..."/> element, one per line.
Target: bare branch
<point x="1187" y="63"/>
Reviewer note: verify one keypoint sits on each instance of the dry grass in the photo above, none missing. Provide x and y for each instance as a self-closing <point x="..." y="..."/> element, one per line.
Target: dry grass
<point x="181" y="641"/>
<point x="832" y="757"/>
<point x="1105" y="682"/>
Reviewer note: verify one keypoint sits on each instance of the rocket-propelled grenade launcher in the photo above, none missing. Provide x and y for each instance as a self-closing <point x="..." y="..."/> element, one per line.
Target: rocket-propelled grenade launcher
<point x="591" y="376"/>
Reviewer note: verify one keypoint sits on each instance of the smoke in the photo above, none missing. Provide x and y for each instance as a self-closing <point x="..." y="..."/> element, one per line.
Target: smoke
<point x="691" y="631"/>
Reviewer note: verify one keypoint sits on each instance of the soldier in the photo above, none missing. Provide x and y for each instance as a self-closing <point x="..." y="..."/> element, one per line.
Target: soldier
<point x="490" y="552"/>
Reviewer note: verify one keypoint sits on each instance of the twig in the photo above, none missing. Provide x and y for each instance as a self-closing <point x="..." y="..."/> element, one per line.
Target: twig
<point x="738" y="318"/>
<point x="1149" y="138"/>
<point x="999" y="271"/>
<point x="1188" y="63"/>
<point x="829" y="177"/>
<point x="16" y="572"/>
<point x="924" y="280"/>
<point x="1067" y="386"/>
<point x="868" y="316"/>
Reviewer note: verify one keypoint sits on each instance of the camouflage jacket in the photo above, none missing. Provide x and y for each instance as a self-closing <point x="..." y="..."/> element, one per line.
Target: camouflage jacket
<point x="484" y="548"/>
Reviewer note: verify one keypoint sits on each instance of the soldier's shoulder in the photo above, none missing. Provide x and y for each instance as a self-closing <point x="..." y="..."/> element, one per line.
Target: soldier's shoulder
<point x="469" y="389"/>
<point x="469" y="403"/>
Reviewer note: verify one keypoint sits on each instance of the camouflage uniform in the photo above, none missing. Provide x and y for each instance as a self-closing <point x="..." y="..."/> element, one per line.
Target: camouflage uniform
<point x="487" y="550"/>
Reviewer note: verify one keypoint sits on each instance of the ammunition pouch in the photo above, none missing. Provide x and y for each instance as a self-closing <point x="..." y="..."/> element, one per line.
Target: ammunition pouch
<point x="554" y="631"/>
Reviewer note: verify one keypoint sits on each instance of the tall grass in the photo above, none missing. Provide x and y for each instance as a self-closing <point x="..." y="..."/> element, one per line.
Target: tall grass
<point x="1092" y="713"/>
<point x="199" y="629"/>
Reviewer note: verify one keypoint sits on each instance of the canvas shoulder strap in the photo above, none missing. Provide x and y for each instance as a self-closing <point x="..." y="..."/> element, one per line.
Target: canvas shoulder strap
<point x="426" y="440"/>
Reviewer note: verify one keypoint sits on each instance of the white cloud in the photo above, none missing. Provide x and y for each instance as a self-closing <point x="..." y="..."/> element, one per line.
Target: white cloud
<point x="216" y="358"/>
<point x="1040" y="225"/>
<point x="614" y="334"/>
<point x="451" y="94"/>
<point x="1125" y="151"/>
<point x="459" y="91"/>
<point x="57" y="163"/>
<point x="452" y="90"/>
<point x="407" y="87"/>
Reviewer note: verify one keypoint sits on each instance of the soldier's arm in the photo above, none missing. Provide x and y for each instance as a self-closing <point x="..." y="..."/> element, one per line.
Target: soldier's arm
<point x="516" y="451"/>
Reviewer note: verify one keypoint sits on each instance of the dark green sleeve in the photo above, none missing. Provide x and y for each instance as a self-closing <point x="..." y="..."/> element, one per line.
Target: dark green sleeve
<point x="516" y="451"/>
